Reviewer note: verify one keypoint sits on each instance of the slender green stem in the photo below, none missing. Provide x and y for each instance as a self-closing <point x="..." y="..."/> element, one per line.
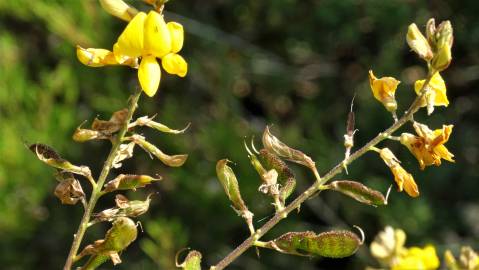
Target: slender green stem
<point x="316" y="187"/>
<point x="96" y="192"/>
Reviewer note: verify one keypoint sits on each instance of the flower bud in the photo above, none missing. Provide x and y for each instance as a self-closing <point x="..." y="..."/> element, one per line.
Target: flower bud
<point x="273" y="144"/>
<point x="444" y="35"/>
<point x="359" y="192"/>
<point x="442" y="59"/>
<point x="443" y="44"/>
<point x="431" y="31"/>
<point x="333" y="244"/>
<point x="418" y="43"/>
<point x="119" y="9"/>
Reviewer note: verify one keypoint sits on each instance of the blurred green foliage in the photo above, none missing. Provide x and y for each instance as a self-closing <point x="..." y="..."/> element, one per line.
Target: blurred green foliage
<point x="295" y="64"/>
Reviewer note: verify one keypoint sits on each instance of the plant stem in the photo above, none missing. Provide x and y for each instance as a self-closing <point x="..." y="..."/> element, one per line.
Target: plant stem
<point x="96" y="192"/>
<point x="316" y="187"/>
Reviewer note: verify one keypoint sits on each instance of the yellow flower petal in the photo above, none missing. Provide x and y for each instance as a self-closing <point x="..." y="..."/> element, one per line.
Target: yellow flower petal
<point x="418" y="259"/>
<point x="130" y="42"/>
<point x="175" y="64"/>
<point x="157" y="36"/>
<point x="177" y="36"/>
<point x="93" y="57"/>
<point x="437" y="85"/>
<point x="149" y="75"/>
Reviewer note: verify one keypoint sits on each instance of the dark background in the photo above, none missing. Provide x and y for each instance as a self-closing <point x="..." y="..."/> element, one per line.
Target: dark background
<point x="294" y="64"/>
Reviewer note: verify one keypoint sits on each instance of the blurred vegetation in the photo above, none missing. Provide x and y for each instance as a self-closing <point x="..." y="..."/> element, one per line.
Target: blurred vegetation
<point x="295" y="64"/>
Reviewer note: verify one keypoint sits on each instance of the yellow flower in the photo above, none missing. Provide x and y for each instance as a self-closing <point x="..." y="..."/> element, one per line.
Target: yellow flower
<point x="435" y="92"/>
<point x="468" y="259"/>
<point x="418" y="259"/>
<point x="428" y="147"/>
<point x="146" y="37"/>
<point x="388" y="244"/>
<point x="384" y="90"/>
<point x="149" y="37"/>
<point x="403" y="179"/>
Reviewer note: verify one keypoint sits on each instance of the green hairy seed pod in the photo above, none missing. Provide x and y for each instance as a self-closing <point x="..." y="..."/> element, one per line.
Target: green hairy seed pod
<point x="129" y="181"/>
<point x="124" y="208"/>
<point x="287" y="189"/>
<point x="229" y="182"/>
<point x="359" y="192"/>
<point x="279" y="148"/>
<point x="333" y="244"/>
<point x="122" y="233"/>
<point x="172" y="161"/>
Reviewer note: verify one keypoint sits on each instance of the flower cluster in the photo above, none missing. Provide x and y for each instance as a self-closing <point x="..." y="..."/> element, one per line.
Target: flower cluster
<point x="427" y="145"/>
<point x="146" y="38"/>
<point x="388" y="248"/>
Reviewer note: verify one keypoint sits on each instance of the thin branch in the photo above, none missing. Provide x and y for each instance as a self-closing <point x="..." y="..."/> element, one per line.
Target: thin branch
<point x="96" y="192"/>
<point x="314" y="189"/>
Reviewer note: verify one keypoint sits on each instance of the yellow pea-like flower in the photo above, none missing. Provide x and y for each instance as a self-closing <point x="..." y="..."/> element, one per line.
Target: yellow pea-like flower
<point x="384" y="90"/>
<point x="428" y="147"/>
<point x="403" y="179"/>
<point x="146" y="38"/>
<point x="435" y="92"/>
<point x="417" y="258"/>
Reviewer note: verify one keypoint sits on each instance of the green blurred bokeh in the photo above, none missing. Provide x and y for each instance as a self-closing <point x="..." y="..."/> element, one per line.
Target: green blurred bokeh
<point x="295" y="64"/>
